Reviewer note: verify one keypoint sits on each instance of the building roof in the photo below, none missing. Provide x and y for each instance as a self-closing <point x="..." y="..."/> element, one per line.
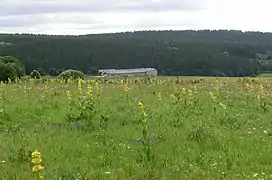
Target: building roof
<point x="122" y="71"/>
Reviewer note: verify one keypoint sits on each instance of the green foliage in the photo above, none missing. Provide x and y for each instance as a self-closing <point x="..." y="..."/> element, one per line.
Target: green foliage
<point x="18" y="66"/>
<point x="82" y="113"/>
<point x="25" y="79"/>
<point x="202" y="53"/>
<point x="7" y="72"/>
<point x="194" y="128"/>
<point x="10" y="68"/>
<point x="71" y="74"/>
<point x="54" y="72"/>
<point x="35" y="74"/>
<point x="41" y="71"/>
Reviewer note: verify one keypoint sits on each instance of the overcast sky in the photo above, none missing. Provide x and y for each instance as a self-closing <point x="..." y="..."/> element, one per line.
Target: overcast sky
<point x="99" y="16"/>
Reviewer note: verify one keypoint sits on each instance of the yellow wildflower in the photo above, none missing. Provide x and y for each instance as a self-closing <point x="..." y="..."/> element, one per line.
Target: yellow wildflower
<point x="37" y="168"/>
<point x="79" y="85"/>
<point x="140" y="105"/>
<point x="97" y="86"/>
<point x="25" y="91"/>
<point x="69" y="96"/>
<point x="261" y="87"/>
<point x="190" y="92"/>
<point x="36" y="160"/>
<point x="89" y="91"/>
<point x="183" y="91"/>
<point x="126" y="88"/>
<point x="36" y="154"/>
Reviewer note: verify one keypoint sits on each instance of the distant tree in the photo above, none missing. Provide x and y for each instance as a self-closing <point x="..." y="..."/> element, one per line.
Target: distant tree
<point x="53" y="72"/>
<point x="59" y="71"/>
<point x="19" y="67"/>
<point x="10" y="68"/>
<point x="7" y="72"/>
<point x="41" y="71"/>
<point x="35" y="74"/>
<point x="71" y="74"/>
<point x="170" y="52"/>
<point x="93" y="71"/>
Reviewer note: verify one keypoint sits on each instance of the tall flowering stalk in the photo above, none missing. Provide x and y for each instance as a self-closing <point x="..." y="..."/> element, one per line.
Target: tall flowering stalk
<point x="217" y="101"/>
<point x="89" y="91"/>
<point x="183" y="91"/>
<point x="81" y="112"/>
<point x="261" y="95"/>
<point x="190" y="96"/>
<point x="126" y="89"/>
<point x="97" y="88"/>
<point x="25" y="91"/>
<point x="37" y="168"/>
<point x="69" y="97"/>
<point x="146" y="141"/>
<point x="46" y="89"/>
<point x="79" y="87"/>
<point x="262" y="99"/>
<point x="143" y="115"/>
<point x="184" y="94"/>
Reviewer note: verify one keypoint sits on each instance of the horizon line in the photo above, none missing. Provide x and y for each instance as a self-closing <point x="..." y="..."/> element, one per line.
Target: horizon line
<point x="132" y="31"/>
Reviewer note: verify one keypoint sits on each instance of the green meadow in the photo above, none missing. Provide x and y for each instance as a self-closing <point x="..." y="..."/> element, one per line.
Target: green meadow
<point x="137" y="128"/>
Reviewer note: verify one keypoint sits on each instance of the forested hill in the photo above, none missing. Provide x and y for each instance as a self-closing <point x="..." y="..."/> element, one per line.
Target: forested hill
<point x="230" y="53"/>
<point x="195" y="36"/>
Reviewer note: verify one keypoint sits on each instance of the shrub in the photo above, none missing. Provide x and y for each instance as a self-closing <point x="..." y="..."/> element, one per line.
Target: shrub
<point x="71" y="74"/>
<point x="54" y="72"/>
<point x="10" y="68"/>
<point x="7" y="71"/>
<point x="41" y="71"/>
<point x="35" y="74"/>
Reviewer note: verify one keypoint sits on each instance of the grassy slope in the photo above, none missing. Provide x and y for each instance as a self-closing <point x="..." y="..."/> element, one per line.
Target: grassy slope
<point x="191" y="138"/>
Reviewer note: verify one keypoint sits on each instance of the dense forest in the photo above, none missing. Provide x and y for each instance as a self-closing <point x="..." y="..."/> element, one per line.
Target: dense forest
<point x="209" y="53"/>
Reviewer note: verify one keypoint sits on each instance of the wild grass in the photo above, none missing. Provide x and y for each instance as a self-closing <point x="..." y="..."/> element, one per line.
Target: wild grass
<point x="161" y="128"/>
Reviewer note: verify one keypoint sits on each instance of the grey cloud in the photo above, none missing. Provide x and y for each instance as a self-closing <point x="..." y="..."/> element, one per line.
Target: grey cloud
<point x="16" y="21"/>
<point x="33" y="20"/>
<point x="16" y="7"/>
<point x="85" y="15"/>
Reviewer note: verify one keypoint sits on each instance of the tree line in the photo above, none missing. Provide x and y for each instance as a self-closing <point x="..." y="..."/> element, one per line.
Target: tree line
<point x="202" y="53"/>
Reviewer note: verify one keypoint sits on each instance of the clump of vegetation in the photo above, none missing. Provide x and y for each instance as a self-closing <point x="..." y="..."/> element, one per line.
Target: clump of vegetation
<point x="10" y="68"/>
<point x="71" y="74"/>
<point x="41" y="71"/>
<point x="55" y="72"/>
<point x="35" y="74"/>
<point x="146" y="129"/>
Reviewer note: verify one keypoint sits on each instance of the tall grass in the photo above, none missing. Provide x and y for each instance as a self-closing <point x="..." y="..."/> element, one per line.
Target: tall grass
<point x="160" y="128"/>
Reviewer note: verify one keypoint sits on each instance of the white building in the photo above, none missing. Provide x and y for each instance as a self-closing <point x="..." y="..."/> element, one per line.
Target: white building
<point x="129" y="72"/>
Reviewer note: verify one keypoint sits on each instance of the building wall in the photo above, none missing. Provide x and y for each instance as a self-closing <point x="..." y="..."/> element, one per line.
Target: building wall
<point x="152" y="72"/>
<point x="126" y="74"/>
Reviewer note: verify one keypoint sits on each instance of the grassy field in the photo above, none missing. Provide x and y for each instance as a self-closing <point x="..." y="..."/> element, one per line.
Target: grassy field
<point x="265" y="75"/>
<point x="163" y="128"/>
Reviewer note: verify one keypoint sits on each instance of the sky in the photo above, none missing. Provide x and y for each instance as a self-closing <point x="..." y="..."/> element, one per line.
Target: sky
<point x="77" y="17"/>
